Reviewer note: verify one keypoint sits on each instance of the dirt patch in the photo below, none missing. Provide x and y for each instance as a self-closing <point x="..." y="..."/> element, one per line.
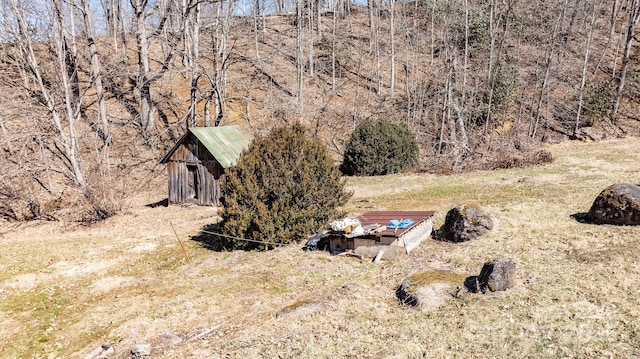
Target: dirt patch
<point x="75" y="270"/>
<point x="107" y="284"/>
<point x="24" y="282"/>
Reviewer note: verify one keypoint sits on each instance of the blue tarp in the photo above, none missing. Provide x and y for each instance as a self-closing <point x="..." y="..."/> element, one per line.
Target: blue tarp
<point x="399" y="224"/>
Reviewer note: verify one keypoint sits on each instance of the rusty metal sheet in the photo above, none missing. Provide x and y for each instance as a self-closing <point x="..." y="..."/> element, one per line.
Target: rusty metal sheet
<point x="384" y="217"/>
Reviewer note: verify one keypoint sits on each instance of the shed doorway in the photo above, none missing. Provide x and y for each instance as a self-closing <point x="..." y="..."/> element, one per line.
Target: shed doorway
<point x="192" y="183"/>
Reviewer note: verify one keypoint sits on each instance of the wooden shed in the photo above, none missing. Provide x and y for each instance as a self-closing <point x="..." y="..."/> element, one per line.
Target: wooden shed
<point x="196" y="164"/>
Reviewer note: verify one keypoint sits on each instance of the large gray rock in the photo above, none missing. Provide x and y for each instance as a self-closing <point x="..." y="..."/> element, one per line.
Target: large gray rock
<point x="617" y="204"/>
<point x="497" y="275"/>
<point x="428" y="291"/>
<point x="463" y="223"/>
<point x="589" y="134"/>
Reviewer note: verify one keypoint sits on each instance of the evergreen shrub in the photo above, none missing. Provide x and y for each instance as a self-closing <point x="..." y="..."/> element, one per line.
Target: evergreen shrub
<point x="283" y="188"/>
<point x="378" y="148"/>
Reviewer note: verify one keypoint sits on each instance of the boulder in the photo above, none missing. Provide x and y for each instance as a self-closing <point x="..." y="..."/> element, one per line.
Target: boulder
<point x="497" y="275"/>
<point x="428" y="291"/>
<point x="463" y="223"/>
<point x="617" y="204"/>
<point x="589" y="134"/>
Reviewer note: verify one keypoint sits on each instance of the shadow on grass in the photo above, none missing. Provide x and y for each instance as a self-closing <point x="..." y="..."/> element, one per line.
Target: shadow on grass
<point x="209" y="240"/>
<point x="472" y="284"/>
<point x="583" y="217"/>
<point x="162" y="203"/>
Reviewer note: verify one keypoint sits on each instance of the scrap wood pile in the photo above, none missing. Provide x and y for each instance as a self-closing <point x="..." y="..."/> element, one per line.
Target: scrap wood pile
<point x="351" y="227"/>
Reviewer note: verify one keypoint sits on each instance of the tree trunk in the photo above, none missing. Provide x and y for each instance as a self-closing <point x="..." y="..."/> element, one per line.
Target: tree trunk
<point x="333" y="51"/>
<point x="121" y="28"/>
<point x="67" y="60"/>
<point x="548" y="60"/>
<point x="299" y="54"/>
<point x="373" y="41"/>
<point x="634" y="16"/>
<point x="310" y="40"/>
<point x="492" y="61"/>
<point x="6" y="136"/>
<point x="216" y="95"/>
<point x="194" y="57"/>
<point x="143" y="81"/>
<point x="465" y="64"/>
<point x="96" y="76"/>
<point x="66" y="135"/>
<point x="433" y="33"/>
<point x="319" y="4"/>
<point x="392" y="29"/>
<point x="585" y="64"/>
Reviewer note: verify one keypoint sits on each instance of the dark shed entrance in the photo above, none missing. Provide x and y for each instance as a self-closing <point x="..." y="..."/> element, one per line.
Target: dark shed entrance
<point x="196" y="164"/>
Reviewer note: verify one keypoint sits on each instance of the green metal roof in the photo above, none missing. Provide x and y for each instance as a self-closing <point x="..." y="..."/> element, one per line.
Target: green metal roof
<point x="225" y="143"/>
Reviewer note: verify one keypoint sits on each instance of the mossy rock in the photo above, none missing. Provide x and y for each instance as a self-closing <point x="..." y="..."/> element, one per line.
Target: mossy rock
<point x="618" y="204"/>
<point x="430" y="290"/>
<point x="463" y="223"/>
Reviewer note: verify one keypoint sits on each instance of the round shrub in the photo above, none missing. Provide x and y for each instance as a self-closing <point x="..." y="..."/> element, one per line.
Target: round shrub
<point x="283" y="188"/>
<point x="378" y="148"/>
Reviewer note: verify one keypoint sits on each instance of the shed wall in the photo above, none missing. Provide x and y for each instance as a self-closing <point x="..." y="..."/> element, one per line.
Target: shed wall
<point x="209" y="174"/>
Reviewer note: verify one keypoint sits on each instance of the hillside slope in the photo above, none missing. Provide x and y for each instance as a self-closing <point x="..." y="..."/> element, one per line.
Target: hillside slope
<point x="481" y="85"/>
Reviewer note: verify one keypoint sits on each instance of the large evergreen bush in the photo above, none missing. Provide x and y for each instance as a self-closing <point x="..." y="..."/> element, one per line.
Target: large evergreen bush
<point x="378" y="148"/>
<point x="284" y="188"/>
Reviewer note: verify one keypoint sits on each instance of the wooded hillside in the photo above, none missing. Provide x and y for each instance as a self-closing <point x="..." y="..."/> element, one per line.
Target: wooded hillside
<point x="95" y="93"/>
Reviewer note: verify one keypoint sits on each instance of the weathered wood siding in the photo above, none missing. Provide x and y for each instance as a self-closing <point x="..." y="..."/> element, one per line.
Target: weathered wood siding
<point x="209" y="174"/>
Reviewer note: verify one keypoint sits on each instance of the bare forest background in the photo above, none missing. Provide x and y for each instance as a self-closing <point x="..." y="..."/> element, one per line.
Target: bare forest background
<point x="94" y="93"/>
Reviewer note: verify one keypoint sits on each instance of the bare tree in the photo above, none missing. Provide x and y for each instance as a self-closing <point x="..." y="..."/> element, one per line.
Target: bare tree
<point x="392" y="29"/>
<point x="6" y="136"/>
<point x="299" y="54"/>
<point x="585" y="64"/>
<point x="96" y="75"/>
<point x="143" y="34"/>
<point x="633" y="9"/>
<point x="549" y="53"/>
<point x="374" y="47"/>
<point x="219" y="55"/>
<point x="65" y="112"/>
<point x="310" y="36"/>
<point x="193" y="49"/>
<point x="143" y="81"/>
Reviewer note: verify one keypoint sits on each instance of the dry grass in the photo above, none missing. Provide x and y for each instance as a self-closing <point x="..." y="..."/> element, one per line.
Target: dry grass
<point x="65" y="291"/>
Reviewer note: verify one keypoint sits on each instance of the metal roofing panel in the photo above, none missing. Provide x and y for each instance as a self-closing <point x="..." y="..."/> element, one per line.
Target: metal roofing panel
<point x="225" y="143"/>
<point x="383" y="218"/>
